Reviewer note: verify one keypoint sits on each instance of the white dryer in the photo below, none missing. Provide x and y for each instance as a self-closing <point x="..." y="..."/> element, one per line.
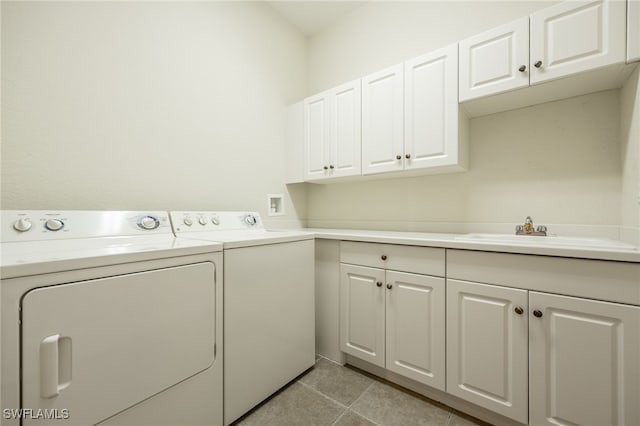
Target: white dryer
<point x="108" y="318"/>
<point x="269" y="320"/>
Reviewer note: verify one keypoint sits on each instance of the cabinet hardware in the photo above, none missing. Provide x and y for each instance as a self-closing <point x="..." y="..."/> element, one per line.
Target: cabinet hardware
<point x="537" y="313"/>
<point x="383" y="257"/>
<point x="379" y="283"/>
<point x="331" y="167"/>
<point x="398" y="157"/>
<point x="522" y="68"/>
<point x="407" y="156"/>
<point x="519" y="310"/>
<point x="389" y="286"/>
<point x="538" y="64"/>
<point x="325" y="167"/>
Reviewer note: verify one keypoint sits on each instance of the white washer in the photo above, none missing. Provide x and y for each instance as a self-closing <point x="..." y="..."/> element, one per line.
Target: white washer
<point x="108" y="318"/>
<point x="269" y="322"/>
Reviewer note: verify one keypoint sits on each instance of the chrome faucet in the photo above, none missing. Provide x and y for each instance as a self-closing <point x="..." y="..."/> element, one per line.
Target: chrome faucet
<point x="527" y="228"/>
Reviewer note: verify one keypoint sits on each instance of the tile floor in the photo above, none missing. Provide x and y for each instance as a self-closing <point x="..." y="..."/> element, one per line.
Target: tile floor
<point x="330" y="394"/>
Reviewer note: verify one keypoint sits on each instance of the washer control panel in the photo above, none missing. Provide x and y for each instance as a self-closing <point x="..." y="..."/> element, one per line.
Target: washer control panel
<point x="36" y="225"/>
<point x="203" y="221"/>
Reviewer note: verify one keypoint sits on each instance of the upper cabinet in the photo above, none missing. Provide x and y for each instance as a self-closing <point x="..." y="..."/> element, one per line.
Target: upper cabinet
<point x="562" y="40"/>
<point x="576" y="36"/>
<point x="434" y="132"/>
<point x="410" y="116"/>
<point x="332" y="133"/>
<point x="382" y="121"/>
<point x="495" y="61"/>
<point x="633" y="30"/>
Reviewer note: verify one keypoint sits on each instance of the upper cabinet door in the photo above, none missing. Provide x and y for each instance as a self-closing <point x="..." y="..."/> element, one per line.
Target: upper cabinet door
<point x="495" y="61"/>
<point x="431" y="109"/>
<point x="383" y="121"/>
<point x="346" y="128"/>
<point x="316" y="136"/>
<point x="576" y="36"/>
<point x="633" y="30"/>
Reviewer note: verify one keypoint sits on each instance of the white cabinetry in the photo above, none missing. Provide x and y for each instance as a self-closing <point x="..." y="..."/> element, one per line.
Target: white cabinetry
<point x="332" y="133"/>
<point x="562" y="40"/>
<point x="581" y="356"/>
<point x="584" y="361"/>
<point x="393" y="319"/>
<point x="435" y="133"/>
<point x="495" y="61"/>
<point x="576" y="36"/>
<point x="633" y="30"/>
<point x="410" y="116"/>
<point x="382" y="121"/>
<point x="487" y="347"/>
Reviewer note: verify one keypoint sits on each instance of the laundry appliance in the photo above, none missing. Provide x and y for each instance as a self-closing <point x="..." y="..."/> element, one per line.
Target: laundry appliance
<point x="108" y="318"/>
<point x="269" y="320"/>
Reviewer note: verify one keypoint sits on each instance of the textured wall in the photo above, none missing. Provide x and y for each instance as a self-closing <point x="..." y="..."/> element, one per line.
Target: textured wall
<point x="142" y="105"/>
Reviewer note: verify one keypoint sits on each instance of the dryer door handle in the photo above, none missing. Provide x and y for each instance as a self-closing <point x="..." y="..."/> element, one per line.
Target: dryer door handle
<point x="55" y="365"/>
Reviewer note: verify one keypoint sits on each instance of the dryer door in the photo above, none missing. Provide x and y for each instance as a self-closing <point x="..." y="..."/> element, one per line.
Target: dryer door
<point x="100" y="346"/>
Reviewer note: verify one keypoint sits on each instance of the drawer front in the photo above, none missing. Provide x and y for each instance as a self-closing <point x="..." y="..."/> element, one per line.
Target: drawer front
<point x="418" y="260"/>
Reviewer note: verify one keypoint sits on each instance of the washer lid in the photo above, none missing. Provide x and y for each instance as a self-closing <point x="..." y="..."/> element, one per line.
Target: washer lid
<point x="40" y="257"/>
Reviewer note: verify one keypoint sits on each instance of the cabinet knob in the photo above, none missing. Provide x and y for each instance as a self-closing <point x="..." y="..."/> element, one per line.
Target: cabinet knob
<point x="407" y="156"/>
<point x="519" y="310"/>
<point x="398" y="157"/>
<point x="379" y="284"/>
<point x="331" y="167"/>
<point x="326" y="168"/>
<point x="538" y="64"/>
<point x="389" y="286"/>
<point x="537" y="313"/>
<point x="383" y="257"/>
<point x="523" y="68"/>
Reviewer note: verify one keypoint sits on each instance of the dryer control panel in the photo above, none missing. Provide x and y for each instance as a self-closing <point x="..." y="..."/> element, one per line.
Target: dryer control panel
<point x="203" y="221"/>
<point x="41" y="225"/>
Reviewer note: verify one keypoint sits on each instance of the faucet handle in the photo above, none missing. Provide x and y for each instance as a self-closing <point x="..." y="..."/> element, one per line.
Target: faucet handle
<point x="519" y="228"/>
<point x="541" y="228"/>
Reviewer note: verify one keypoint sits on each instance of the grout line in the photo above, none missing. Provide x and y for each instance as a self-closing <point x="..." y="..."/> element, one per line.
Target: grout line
<point x="323" y="395"/>
<point x="339" y="417"/>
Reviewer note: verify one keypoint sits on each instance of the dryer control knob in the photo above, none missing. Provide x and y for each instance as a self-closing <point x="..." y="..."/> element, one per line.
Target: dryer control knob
<point x="202" y="221"/>
<point x="250" y="220"/>
<point x="54" y="224"/>
<point x="148" y="222"/>
<point x="22" y="225"/>
<point x="187" y="221"/>
<point x="215" y="220"/>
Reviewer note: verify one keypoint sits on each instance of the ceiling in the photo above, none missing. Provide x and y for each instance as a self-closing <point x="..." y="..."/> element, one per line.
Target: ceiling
<point x="310" y="17"/>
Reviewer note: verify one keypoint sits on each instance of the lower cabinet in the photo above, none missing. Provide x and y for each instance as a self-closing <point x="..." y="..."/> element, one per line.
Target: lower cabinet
<point x="394" y="320"/>
<point x="573" y="360"/>
<point x="487" y="347"/>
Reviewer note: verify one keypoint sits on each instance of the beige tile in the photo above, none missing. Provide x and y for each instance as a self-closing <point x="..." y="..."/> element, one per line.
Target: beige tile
<point x="352" y="419"/>
<point x="296" y="405"/>
<point x="389" y="406"/>
<point x="337" y="382"/>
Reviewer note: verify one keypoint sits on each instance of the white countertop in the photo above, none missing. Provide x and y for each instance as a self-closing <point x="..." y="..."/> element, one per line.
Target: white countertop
<point x="585" y="248"/>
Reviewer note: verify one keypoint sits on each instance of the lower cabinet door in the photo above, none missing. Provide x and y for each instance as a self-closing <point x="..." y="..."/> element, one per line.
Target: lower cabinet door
<point x="362" y="313"/>
<point x="585" y="361"/>
<point x="416" y="327"/>
<point x="487" y="347"/>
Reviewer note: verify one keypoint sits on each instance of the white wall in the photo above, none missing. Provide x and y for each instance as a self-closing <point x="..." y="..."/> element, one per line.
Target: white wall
<point x="141" y="105"/>
<point x="630" y="152"/>
<point x="558" y="162"/>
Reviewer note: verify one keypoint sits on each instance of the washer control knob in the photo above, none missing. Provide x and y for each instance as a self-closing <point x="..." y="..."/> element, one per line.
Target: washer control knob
<point x="250" y="220"/>
<point x="202" y="221"/>
<point x="54" y="224"/>
<point x="148" y="222"/>
<point x="188" y="221"/>
<point x="215" y="220"/>
<point x="22" y="225"/>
